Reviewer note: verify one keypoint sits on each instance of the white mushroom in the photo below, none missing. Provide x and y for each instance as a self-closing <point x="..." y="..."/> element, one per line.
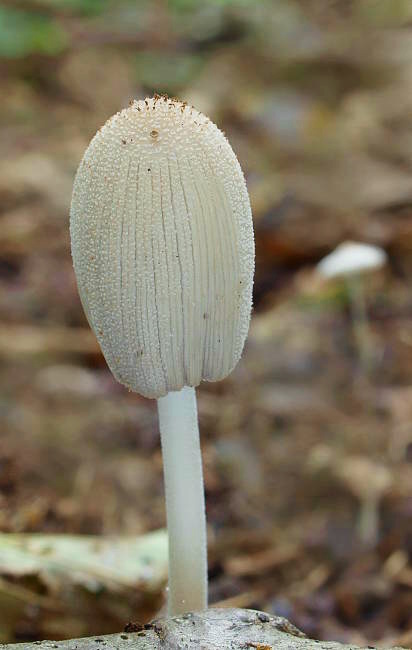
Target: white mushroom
<point x="163" y="251"/>
<point x="351" y="260"/>
<point x="368" y="481"/>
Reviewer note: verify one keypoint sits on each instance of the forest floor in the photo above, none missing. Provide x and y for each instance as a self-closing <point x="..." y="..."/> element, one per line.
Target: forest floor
<point x="307" y="448"/>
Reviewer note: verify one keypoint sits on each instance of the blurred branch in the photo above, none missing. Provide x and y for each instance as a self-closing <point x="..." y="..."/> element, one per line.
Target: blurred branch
<point x="29" y="597"/>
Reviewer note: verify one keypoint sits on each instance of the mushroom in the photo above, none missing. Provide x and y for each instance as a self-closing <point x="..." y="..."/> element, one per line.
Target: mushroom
<point x="163" y="252"/>
<point x="352" y="260"/>
<point x="368" y="481"/>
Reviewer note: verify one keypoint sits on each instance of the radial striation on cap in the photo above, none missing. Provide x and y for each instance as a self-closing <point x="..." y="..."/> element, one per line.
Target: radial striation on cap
<point x="162" y="245"/>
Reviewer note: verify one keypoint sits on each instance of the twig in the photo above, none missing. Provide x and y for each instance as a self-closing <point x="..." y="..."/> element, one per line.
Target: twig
<point x="212" y="629"/>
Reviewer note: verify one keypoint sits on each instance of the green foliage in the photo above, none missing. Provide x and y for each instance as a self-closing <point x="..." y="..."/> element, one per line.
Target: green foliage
<point x="83" y="7"/>
<point x="188" y="5"/>
<point x="383" y="13"/>
<point x="23" y="33"/>
<point x="165" y="72"/>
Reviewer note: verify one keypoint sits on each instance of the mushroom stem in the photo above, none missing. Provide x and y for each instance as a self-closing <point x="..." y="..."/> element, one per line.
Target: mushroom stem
<point x="368" y="524"/>
<point x="360" y="323"/>
<point x="185" y="501"/>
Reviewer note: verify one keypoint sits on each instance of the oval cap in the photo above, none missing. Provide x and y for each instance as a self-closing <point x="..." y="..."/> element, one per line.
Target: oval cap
<point x="162" y="246"/>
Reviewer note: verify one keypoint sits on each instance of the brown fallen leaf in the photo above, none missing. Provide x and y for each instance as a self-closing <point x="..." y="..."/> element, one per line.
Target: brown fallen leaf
<point x="18" y="340"/>
<point x="259" y="563"/>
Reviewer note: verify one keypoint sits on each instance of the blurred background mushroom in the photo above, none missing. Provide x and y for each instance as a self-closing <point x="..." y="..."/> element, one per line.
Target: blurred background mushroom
<point x="352" y="261"/>
<point x="368" y="481"/>
<point x="315" y="97"/>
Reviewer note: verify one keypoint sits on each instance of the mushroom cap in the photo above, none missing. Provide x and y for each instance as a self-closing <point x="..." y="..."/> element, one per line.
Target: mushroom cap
<point x="365" y="478"/>
<point x="351" y="258"/>
<point x="162" y="246"/>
